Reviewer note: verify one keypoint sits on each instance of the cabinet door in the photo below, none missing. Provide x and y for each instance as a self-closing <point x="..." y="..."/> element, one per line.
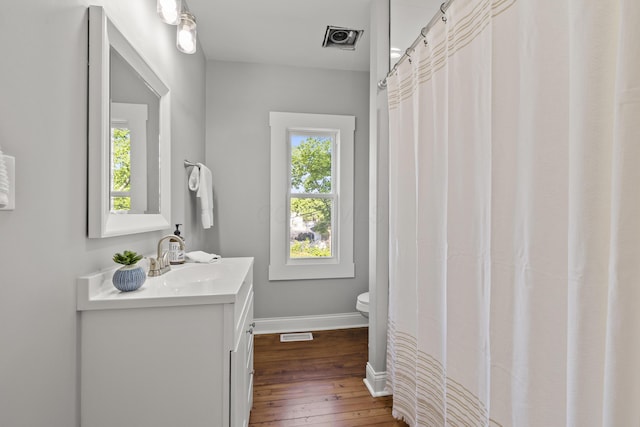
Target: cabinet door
<point x="241" y="392"/>
<point x="249" y="368"/>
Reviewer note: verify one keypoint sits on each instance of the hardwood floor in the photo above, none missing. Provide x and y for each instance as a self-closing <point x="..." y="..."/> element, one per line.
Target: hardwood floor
<point x="316" y="383"/>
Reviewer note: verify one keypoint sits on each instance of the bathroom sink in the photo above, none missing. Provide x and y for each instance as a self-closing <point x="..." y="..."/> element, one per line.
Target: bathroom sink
<point x="193" y="274"/>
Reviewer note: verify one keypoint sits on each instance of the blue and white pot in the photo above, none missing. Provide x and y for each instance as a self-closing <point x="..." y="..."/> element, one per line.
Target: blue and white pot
<point x="129" y="278"/>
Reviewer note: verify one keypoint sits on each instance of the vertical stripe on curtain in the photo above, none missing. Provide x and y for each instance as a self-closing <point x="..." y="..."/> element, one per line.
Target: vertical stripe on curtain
<point x="515" y="219"/>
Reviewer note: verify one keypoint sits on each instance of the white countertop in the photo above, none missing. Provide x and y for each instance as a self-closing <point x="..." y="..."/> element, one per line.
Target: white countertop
<point x="187" y="284"/>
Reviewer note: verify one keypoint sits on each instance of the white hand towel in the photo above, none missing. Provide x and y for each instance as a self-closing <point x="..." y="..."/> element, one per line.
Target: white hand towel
<point x="194" y="178"/>
<point x="200" y="181"/>
<point x="202" y="257"/>
<point x="4" y="182"/>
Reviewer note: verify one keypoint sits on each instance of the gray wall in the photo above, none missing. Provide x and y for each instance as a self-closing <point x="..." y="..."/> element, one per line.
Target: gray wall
<point x="43" y="243"/>
<point x="239" y="98"/>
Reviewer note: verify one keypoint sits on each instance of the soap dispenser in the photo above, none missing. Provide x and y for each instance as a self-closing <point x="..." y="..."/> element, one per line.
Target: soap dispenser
<point x="176" y="255"/>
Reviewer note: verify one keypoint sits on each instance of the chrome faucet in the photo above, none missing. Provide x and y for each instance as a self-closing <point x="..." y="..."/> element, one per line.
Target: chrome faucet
<point x="160" y="265"/>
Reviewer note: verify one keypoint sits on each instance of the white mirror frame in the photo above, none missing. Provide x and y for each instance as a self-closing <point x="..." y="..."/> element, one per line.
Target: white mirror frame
<point x="102" y="223"/>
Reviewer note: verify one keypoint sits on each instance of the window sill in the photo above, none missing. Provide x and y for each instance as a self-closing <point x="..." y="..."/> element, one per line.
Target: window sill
<point x="311" y="271"/>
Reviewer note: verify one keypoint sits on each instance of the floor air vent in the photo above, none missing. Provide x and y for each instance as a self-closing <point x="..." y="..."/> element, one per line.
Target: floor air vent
<point x="300" y="336"/>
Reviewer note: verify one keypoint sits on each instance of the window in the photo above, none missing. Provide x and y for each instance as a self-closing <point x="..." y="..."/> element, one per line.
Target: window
<point x="311" y="196"/>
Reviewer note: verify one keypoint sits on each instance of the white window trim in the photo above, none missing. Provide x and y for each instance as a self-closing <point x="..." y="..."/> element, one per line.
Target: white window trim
<point x="340" y="265"/>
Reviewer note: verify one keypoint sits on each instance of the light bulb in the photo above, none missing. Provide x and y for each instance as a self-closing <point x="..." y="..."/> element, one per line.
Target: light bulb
<point x="186" y="33"/>
<point x="185" y="41"/>
<point x="169" y="11"/>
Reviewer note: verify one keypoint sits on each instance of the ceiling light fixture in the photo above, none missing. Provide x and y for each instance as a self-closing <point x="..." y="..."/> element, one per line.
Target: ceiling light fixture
<point x="176" y="12"/>
<point x="186" y="40"/>
<point x="169" y="11"/>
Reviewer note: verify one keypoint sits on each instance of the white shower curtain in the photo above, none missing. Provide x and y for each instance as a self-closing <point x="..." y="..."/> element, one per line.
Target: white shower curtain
<point x="515" y="217"/>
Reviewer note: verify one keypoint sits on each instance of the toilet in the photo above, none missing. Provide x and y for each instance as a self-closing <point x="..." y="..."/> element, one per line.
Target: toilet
<point x="362" y="305"/>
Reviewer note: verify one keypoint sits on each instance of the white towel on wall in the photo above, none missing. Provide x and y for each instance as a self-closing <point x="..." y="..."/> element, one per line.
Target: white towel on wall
<point x="194" y="178"/>
<point x="4" y="182"/>
<point x="200" y="181"/>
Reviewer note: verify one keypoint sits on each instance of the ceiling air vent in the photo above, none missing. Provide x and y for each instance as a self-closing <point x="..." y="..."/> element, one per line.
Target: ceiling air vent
<point x="342" y="38"/>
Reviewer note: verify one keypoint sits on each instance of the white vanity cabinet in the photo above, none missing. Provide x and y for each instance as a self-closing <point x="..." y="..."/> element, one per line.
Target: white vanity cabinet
<point x="168" y="355"/>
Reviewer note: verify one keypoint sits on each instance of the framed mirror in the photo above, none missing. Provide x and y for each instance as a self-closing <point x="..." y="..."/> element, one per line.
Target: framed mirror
<point x="129" y="136"/>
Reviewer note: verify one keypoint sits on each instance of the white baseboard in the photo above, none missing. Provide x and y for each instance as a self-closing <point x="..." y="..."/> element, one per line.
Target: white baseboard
<point x="376" y="382"/>
<point x="276" y="325"/>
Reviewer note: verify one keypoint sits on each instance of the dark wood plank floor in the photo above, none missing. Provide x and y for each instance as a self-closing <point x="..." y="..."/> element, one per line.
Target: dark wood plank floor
<point x="316" y="383"/>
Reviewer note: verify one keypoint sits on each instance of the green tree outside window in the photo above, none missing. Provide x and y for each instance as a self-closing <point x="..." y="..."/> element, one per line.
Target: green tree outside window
<point x="311" y="174"/>
<point x="120" y="168"/>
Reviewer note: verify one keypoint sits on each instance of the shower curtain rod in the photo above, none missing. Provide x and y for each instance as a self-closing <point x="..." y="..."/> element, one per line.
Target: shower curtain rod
<point x="382" y="84"/>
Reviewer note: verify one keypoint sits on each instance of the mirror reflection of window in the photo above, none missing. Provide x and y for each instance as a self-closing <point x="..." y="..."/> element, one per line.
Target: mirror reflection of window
<point x="120" y="169"/>
<point x="128" y="158"/>
<point x="135" y="106"/>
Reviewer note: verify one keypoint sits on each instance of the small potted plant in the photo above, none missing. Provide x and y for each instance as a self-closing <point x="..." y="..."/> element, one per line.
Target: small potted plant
<point x="130" y="276"/>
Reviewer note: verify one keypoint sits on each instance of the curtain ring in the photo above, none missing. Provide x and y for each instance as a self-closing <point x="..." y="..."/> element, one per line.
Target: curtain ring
<point x="423" y="33"/>
<point x="444" y="16"/>
<point x="408" y="53"/>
